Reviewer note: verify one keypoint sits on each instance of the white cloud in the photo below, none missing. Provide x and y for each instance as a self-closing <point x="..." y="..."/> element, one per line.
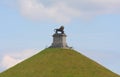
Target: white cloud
<point x="12" y="59"/>
<point x="9" y="61"/>
<point x="66" y="10"/>
<point x="59" y="12"/>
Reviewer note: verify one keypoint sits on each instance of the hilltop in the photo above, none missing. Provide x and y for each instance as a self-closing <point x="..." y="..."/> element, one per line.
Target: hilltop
<point x="57" y="62"/>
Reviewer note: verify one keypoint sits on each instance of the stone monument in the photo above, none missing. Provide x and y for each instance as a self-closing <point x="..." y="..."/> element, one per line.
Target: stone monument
<point x="59" y="39"/>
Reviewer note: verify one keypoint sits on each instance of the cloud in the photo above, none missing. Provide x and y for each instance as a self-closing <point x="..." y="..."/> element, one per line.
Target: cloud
<point x="9" y="61"/>
<point x="12" y="59"/>
<point x="66" y="10"/>
<point x="59" y="12"/>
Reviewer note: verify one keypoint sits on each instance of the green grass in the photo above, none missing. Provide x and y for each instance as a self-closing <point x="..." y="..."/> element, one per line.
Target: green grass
<point x="56" y="62"/>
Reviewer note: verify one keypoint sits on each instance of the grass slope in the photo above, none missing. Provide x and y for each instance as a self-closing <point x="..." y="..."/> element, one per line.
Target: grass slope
<point x="55" y="62"/>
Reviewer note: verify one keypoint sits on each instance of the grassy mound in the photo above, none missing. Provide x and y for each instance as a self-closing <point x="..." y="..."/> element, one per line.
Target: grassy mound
<point x="55" y="62"/>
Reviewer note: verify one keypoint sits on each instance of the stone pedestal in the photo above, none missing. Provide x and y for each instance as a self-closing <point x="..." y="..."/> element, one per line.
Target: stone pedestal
<point x="59" y="41"/>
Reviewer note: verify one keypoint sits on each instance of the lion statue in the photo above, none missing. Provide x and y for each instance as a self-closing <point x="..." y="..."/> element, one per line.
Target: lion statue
<point x="61" y="29"/>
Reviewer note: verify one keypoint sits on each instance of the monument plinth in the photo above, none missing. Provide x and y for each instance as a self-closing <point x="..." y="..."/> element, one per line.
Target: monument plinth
<point x="59" y="39"/>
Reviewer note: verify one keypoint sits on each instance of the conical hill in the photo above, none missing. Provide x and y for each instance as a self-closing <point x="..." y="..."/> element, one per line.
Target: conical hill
<point x="56" y="62"/>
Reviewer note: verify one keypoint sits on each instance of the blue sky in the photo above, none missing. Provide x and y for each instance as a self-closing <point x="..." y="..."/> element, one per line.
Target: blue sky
<point x="92" y="28"/>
